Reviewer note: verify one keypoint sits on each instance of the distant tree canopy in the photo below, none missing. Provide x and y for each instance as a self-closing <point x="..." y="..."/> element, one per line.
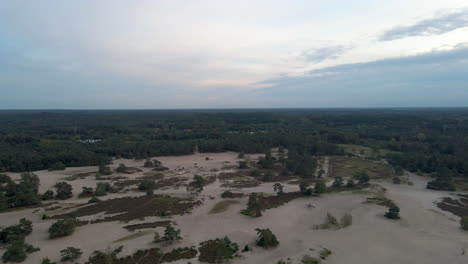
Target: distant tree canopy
<point x="418" y="140"/>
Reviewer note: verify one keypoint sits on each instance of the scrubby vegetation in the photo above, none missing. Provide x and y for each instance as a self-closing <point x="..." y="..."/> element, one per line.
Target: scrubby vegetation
<point x="217" y="250"/>
<point x="23" y="193"/>
<point x="70" y="254"/>
<point x="63" y="227"/>
<point x="393" y="212"/>
<point x="63" y="190"/>
<point x="13" y="237"/>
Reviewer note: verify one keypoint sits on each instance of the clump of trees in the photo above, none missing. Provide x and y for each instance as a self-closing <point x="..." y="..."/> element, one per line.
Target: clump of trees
<point x="23" y="193"/>
<point x="253" y="207"/>
<point x="443" y="181"/>
<point x="393" y="212"/>
<point x="266" y="238"/>
<point x="63" y="227"/>
<point x="17" y="232"/>
<point x="63" y="191"/>
<point x="13" y="237"/>
<point x="18" y="251"/>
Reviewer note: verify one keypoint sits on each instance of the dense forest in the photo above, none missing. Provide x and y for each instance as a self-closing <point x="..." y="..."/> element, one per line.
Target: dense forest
<point x="420" y="140"/>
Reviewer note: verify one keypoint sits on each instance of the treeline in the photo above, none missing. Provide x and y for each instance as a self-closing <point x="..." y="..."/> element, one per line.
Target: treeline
<point x="424" y="140"/>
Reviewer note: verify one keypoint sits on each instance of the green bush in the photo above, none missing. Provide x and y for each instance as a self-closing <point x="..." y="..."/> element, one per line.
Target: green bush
<point x="393" y="212"/>
<point x="63" y="190"/>
<point x="63" y="227"/>
<point x="86" y="192"/>
<point x="48" y="195"/>
<point x="320" y="187"/>
<point x="103" y="188"/>
<point x="94" y="199"/>
<point x="227" y="194"/>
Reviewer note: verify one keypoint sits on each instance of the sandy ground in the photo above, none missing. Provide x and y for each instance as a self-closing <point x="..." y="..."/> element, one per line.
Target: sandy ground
<point x="425" y="234"/>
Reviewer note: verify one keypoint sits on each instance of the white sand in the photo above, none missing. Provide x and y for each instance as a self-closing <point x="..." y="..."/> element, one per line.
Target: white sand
<point x="425" y="234"/>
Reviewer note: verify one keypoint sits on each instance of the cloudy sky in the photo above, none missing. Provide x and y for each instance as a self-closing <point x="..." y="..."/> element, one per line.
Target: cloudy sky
<point x="90" y="54"/>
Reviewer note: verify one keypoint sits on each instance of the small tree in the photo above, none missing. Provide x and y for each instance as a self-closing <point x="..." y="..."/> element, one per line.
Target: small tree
<point x="48" y="195"/>
<point x="363" y="178"/>
<point x="227" y="194"/>
<point x="122" y="168"/>
<point x="278" y="188"/>
<point x="253" y="207"/>
<point x="63" y="190"/>
<point x="148" y="164"/>
<point x="86" y="192"/>
<point x="243" y="165"/>
<point x="104" y="170"/>
<point x="464" y="223"/>
<point x="103" y="188"/>
<point x="147" y="186"/>
<point x="338" y="181"/>
<point x="70" y="254"/>
<point x="266" y="238"/>
<point x="350" y="183"/>
<point x="303" y="187"/>
<point x="320" y="187"/>
<point x="196" y="186"/>
<point x="393" y="212"/>
<point x="171" y="234"/>
<point x="47" y="261"/>
<point x="321" y="173"/>
<point x="63" y="227"/>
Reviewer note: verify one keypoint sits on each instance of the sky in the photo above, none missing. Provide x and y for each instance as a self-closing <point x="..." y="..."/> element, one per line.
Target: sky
<point x="123" y="54"/>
